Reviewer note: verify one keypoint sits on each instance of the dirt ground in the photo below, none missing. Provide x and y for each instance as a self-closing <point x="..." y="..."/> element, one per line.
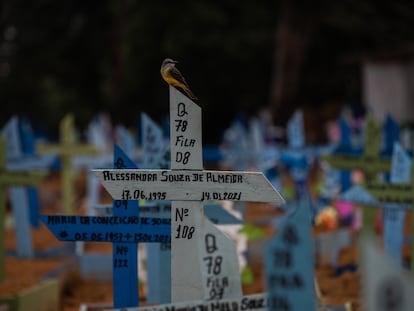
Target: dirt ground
<point x="334" y="290"/>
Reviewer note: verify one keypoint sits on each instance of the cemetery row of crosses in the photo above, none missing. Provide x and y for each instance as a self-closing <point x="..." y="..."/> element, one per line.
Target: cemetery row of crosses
<point x="276" y="227"/>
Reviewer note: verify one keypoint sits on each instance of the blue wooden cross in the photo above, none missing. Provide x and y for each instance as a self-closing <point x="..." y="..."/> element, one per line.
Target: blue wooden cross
<point x="295" y="157"/>
<point x="289" y="263"/>
<point x="345" y="148"/>
<point x="124" y="229"/>
<point x="24" y="200"/>
<point x="21" y="146"/>
<point x="382" y="194"/>
<point x="391" y="134"/>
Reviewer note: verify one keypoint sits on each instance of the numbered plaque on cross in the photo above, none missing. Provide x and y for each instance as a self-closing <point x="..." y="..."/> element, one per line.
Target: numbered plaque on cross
<point x="204" y="264"/>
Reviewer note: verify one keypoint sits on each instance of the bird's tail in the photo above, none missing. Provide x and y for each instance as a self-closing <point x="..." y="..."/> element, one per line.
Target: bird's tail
<point x="188" y="92"/>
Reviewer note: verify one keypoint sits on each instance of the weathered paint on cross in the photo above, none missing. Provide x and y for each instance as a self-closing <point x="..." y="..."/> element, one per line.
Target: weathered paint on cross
<point x="66" y="150"/>
<point x="289" y="265"/>
<point x="7" y="178"/>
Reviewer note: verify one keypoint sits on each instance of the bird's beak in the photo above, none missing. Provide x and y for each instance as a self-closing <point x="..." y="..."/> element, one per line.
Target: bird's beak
<point x="175" y="62"/>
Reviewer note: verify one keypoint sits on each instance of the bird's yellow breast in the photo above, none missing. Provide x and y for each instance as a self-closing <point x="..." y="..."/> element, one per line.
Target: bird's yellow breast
<point x="166" y="75"/>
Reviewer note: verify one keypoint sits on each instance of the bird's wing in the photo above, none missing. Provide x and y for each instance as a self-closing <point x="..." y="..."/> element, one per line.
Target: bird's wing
<point x="176" y="74"/>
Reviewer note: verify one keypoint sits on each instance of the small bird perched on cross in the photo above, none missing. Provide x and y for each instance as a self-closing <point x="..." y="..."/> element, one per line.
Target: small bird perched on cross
<point x="173" y="77"/>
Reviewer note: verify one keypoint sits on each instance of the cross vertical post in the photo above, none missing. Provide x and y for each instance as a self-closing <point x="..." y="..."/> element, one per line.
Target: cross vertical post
<point x="125" y="255"/>
<point x="370" y="162"/>
<point x="20" y="178"/>
<point x="186" y="216"/>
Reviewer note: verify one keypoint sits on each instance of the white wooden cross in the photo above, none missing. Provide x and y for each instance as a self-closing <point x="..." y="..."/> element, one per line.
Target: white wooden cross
<point x="201" y="258"/>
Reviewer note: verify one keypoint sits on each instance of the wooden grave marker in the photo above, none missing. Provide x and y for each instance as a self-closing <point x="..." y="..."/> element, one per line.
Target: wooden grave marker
<point x="370" y="162"/>
<point x="125" y="141"/>
<point x="385" y="286"/>
<point x="359" y="195"/>
<point x="11" y="178"/>
<point x="205" y="274"/>
<point x="158" y="262"/>
<point x="24" y="200"/>
<point x="158" y="255"/>
<point x="391" y="135"/>
<point x="124" y="229"/>
<point x="394" y="218"/>
<point x="154" y="150"/>
<point x="66" y="150"/>
<point x="342" y="154"/>
<point x="235" y="147"/>
<point x="289" y="264"/>
<point x="99" y="133"/>
<point x="20" y="145"/>
<point x="394" y="196"/>
<point x="245" y="148"/>
<point x="295" y="157"/>
<point x="254" y="302"/>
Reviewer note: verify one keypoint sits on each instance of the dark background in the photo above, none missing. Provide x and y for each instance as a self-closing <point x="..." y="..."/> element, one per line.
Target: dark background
<point x="87" y="57"/>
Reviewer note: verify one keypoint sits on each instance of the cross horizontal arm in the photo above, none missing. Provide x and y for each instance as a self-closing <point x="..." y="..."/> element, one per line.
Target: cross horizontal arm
<point x="126" y="229"/>
<point x="188" y="185"/>
<point x="368" y="164"/>
<point x="67" y="149"/>
<point x="21" y="178"/>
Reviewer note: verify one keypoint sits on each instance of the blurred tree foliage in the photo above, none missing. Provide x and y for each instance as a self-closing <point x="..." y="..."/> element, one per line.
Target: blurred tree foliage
<point x="91" y="56"/>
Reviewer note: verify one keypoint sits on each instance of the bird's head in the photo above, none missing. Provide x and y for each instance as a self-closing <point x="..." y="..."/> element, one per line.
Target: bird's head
<point x="168" y="61"/>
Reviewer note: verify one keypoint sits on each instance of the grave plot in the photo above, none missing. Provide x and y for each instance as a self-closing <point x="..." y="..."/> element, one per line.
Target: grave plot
<point x="211" y="271"/>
